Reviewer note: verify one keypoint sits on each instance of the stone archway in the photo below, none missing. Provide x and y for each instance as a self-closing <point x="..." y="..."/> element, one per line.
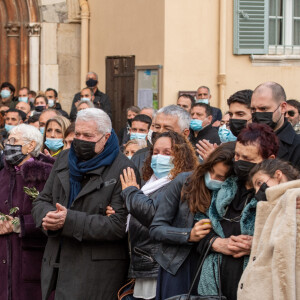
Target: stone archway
<point x="18" y="22"/>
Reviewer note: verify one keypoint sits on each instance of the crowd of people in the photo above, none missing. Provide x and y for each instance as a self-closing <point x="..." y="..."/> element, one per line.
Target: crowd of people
<point x="183" y="200"/>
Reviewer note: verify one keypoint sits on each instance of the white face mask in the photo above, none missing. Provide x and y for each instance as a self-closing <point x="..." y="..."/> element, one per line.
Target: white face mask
<point x="51" y="102"/>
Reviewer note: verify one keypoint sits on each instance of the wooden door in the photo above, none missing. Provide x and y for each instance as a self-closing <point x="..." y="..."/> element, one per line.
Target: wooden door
<point x="120" y="87"/>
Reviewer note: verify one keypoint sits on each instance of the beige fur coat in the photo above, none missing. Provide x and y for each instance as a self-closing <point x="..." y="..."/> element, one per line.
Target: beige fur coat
<point x="273" y="272"/>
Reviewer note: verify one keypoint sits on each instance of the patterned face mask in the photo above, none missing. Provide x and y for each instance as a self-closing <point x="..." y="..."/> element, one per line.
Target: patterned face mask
<point x="13" y="154"/>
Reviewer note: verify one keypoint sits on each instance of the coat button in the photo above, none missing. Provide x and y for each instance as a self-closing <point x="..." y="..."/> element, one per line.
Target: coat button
<point x="254" y="258"/>
<point x="242" y="286"/>
<point x="6" y="201"/>
<point x="4" y="261"/>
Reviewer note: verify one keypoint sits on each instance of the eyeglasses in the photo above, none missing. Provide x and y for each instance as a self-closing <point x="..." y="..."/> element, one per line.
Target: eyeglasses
<point x="13" y="141"/>
<point x="291" y="113"/>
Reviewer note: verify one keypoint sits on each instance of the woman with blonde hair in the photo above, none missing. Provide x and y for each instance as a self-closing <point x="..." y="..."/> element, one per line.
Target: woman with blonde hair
<point x="53" y="140"/>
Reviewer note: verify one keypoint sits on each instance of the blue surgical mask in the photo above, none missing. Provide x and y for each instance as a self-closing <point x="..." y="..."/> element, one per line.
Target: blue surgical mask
<point x="161" y="165"/>
<point x="212" y="184"/>
<point x="196" y="124"/>
<point x="54" y="144"/>
<point x="23" y="99"/>
<point x="51" y="102"/>
<point x="129" y="156"/>
<point x="204" y="101"/>
<point x="137" y="136"/>
<point x="85" y="99"/>
<point x="8" y="128"/>
<point x="226" y="135"/>
<point x="5" y="93"/>
<point x="42" y="130"/>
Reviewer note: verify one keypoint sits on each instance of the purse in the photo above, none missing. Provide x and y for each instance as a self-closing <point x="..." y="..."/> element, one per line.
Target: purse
<point x="126" y="291"/>
<point x="198" y="297"/>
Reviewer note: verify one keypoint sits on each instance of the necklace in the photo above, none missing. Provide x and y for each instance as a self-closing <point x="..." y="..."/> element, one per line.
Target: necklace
<point x="238" y="218"/>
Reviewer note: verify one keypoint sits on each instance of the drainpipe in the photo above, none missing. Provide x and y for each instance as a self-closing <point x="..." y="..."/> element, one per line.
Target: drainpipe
<point x="85" y="16"/>
<point x="222" y="55"/>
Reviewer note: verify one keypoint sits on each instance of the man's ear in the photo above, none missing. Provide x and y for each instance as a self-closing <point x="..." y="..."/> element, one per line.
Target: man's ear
<point x="186" y="132"/>
<point x="209" y="118"/>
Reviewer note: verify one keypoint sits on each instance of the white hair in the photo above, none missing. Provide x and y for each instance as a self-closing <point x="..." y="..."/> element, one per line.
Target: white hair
<point x="92" y="73"/>
<point x="183" y="117"/>
<point x="97" y="115"/>
<point x="29" y="133"/>
<point x="90" y="104"/>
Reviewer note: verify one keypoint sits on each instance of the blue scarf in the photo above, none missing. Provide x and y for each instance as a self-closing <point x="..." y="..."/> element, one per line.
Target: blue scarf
<point x="79" y="168"/>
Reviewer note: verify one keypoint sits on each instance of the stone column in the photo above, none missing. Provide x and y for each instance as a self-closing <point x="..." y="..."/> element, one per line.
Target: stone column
<point x="13" y="34"/>
<point x="34" y="31"/>
<point x="85" y="16"/>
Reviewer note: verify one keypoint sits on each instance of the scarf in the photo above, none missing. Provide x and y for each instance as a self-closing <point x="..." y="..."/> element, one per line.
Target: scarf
<point x="152" y="185"/>
<point x="79" y="168"/>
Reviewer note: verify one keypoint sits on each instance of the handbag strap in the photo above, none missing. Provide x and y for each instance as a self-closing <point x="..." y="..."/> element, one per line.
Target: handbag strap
<point x="200" y="267"/>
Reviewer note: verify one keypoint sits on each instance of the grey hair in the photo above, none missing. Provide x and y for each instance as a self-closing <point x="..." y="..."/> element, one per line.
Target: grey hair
<point x="90" y="104"/>
<point x="29" y="133"/>
<point x="182" y="115"/>
<point x="92" y="73"/>
<point x="204" y="87"/>
<point x="153" y="110"/>
<point x="97" y="115"/>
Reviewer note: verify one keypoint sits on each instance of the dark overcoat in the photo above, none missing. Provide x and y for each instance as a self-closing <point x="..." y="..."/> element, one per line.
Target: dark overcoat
<point x="21" y="254"/>
<point x="88" y="258"/>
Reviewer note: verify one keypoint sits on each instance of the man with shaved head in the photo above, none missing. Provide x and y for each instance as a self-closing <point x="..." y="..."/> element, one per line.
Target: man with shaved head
<point x="268" y="106"/>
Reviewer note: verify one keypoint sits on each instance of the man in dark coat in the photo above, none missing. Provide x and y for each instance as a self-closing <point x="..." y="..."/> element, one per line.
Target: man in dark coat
<point x="53" y="103"/>
<point x="200" y="127"/>
<point x="101" y="99"/>
<point x="268" y="105"/>
<point x="86" y="256"/>
<point x="204" y="96"/>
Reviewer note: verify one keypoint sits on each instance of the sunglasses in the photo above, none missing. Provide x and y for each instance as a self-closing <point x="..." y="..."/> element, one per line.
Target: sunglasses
<point x="291" y="113"/>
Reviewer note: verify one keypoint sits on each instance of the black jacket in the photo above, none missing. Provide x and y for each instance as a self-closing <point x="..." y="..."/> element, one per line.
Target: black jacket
<point x="90" y="243"/>
<point x="59" y="109"/>
<point x="101" y="101"/>
<point x="208" y="133"/>
<point x="289" y="148"/>
<point x="142" y="249"/>
<point x="217" y="114"/>
<point x="172" y="225"/>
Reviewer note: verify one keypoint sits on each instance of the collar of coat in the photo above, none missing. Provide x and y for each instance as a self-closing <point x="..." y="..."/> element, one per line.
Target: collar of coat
<point x="221" y="200"/>
<point x="275" y="192"/>
<point x="286" y="133"/>
<point x="37" y="170"/>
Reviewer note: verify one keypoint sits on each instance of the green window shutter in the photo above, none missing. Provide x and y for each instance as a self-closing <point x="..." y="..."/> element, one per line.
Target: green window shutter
<point x="251" y="26"/>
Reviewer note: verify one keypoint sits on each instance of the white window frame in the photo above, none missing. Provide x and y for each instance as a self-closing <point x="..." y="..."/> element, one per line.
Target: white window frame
<point x="288" y="22"/>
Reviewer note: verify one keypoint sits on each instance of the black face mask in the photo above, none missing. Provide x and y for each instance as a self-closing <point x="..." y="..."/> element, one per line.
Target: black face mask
<point x="237" y="125"/>
<point x="85" y="150"/>
<point x="13" y="154"/>
<point x="261" y="193"/>
<point x="242" y="169"/>
<point x="91" y="82"/>
<point x="39" y="108"/>
<point x="265" y="118"/>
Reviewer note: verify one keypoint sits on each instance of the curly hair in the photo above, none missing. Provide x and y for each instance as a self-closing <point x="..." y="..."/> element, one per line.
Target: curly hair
<point x="195" y="191"/>
<point x="184" y="155"/>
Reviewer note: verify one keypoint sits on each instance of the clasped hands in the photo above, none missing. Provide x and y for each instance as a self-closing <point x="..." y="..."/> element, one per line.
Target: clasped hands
<point x="236" y="246"/>
<point x="55" y="220"/>
<point x="6" y="226"/>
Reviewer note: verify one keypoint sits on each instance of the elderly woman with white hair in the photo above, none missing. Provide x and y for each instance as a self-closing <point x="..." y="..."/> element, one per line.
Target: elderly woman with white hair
<point x="21" y="243"/>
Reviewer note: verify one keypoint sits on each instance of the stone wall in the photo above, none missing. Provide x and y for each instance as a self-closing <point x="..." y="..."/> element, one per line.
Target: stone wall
<point x="60" y="48"/>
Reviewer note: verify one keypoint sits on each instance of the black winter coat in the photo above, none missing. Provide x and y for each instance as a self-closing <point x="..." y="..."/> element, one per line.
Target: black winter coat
<point x="88" y="257"/>
<point x="289" y="148"/>
<point x="142" y="249"/>
<point x="208" y="133"/>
